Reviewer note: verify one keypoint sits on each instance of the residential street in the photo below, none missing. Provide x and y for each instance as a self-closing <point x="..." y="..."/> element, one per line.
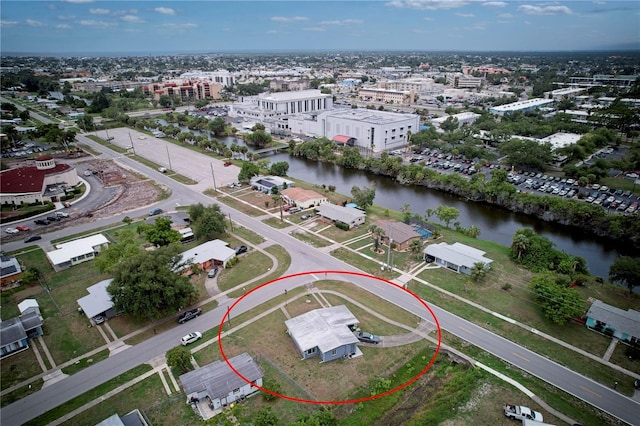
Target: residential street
<point x="304" y="258"/>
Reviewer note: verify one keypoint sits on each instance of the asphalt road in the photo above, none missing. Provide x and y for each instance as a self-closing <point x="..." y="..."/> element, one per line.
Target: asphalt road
<point x="304" y="258"/>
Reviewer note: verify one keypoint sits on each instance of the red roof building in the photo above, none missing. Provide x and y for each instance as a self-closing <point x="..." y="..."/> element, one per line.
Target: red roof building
<point x="46" y="181"/>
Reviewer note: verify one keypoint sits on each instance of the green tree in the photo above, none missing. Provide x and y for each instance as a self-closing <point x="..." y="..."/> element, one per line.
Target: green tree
<point x="520" y="243"/>
<point x="217" y="126"/>
<point x="364" y="197"/>
<point x="259" y="138"/>
<point x="280" y="168"/>
<point x="248" y="170"/>
<point x="450" y="124"/>
<point x="406" y="212"/>
<point x="416" y="247"/>
<point x="559" y="303"/>
<point x="147" y="286"/>
<point x="180" y="359"/>
<point x="479" y="271"/>
<point x="446" y="214"/>
<point x="160" y="234"/>
<point x="125" y="247"/>
<point x="208" y="223"/>
<point x="271" y="384"/>
<point x="625" y="270"/>
<point x="265" y="417"/>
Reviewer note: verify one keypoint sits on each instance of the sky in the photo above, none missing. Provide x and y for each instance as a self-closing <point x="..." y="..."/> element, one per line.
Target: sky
<point x="155" y="27"/>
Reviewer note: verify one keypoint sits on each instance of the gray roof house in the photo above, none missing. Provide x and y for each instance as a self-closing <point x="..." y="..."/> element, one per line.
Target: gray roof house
<point x="98" y="302"/>
<point x="218" y="385"/>
<point x="134" y="418"/>
<point x="325" y="332"/>
<point x="267" y="183"/>
<point x="16" y="332"/>
<point x="457" y="257"/>
<point x="334" y="213"/>
<point x="612" y="321"/>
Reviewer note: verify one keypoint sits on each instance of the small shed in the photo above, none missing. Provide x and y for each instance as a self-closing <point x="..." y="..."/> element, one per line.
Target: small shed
<point x="218" y="385"/>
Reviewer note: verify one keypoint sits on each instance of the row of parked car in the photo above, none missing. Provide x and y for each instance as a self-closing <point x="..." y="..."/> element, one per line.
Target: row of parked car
<point x="55" y="217"/>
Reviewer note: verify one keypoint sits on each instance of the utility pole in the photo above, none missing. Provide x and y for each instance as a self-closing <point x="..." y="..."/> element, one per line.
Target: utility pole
<point x="132" y="147"/>
<point x="213" y="175"/>
<point x="168" y="157"/>
<point x="230" y="223"/>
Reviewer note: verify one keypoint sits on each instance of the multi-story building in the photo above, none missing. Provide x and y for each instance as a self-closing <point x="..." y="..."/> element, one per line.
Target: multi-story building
<point x="522" y="106"/>
<point x="272" y="105"/>
<point x="462" y="81"/>
<point x="223" y="77"/>
<point x="386" y="96"/>
<point x="413" y="84"/>
<point x="289" y="84"/>
<point x="368" y="129"/>
<point x="184" y="89"/>
<point x="604" y="80"/>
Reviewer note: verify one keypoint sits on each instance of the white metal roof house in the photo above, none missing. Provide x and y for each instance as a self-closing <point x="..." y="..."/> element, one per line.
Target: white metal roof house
<point x="612" y="321"/>
<point x="98" y="302"/>
<point x="211" y="253"/>
<point x="325" y="332"/>
<point x="349" y="215"/>
<point x="77" y="251"/>
<point x="457" y="257"/>
<point x="218" y="385"/>
<point x="267" y="183"/>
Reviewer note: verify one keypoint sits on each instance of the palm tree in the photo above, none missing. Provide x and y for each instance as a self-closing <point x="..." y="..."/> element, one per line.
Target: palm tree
<point x="406" y="211"/>
<point x="473" y="231"/>
<point x="520" y="244"/>
<point x="416" y="247"/>
<point x="479" y="270"/>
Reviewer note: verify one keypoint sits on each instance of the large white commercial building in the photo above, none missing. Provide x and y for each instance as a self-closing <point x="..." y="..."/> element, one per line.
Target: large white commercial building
<point x="464" y="119"/>
<point x="520" y="106"/>
<point x="386" y="96"/>
<point x="271" y="105"/>
<point x="224" y="77"/>
<point x="371" y="129"/>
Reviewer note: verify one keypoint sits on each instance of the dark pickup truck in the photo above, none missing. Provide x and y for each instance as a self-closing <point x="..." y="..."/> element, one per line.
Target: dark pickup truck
<point x="189" y="315"/>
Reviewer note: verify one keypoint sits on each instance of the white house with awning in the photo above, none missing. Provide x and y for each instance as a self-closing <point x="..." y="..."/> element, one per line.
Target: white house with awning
<point x="210" y="254"/>
<point x="98" y="301"/>
<point x="457" y="257"/>
<point x="77" y="251"/>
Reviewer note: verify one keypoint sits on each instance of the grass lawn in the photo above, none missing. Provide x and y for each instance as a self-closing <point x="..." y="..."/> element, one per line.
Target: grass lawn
<point x="248" y="235"/>
<point x="240" y="206"/>
<point x="21" y="392"/>
<point x="309" y="238"/>
<point x="369" y="266"/>
<point x="277" y="223"/>
<point x="18" y="368"/>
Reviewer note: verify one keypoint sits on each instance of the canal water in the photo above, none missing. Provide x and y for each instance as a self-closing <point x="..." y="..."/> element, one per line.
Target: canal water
<point x="495" y="225"/>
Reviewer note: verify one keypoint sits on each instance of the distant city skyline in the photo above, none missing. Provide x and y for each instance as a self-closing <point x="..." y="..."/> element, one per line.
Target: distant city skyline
<point x="150" y="27"/>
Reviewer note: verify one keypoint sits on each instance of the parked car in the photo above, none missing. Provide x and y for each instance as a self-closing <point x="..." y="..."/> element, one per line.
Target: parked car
<point x="520" y="412"/>
<point x="240" y="250"/>
<point x="40" y="222"/>
<point x="53" y="218"/>
<point x="212" y="273"/>
<point x="305" y="216"/>
<point x="295" y="210"/>
<point x="32" y="238"/>
<point x="62" y="214"/>
<point x="227" y="163"/>
<point x="98" y="319"/>
<point x="368" y="337"/>
<point x="11" y="231"/>
<point x="155" y="212"/>
<point x="190" y="338"/>
<point x="22" y="228"/>
<point x="189" y="315"/>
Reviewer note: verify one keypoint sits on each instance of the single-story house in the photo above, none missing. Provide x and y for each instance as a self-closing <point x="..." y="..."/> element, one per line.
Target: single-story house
<point x="16" y="332"/>
<point x="209" y="254"/>
<point x="612" y="321"/>
<point x="325" y="332"/>
<point x="334" y="213"/>
<point x="218" y="385"/>
<point x="77" y="251"/>
<point x="457" y="257"/>
<point x="267" y="183"/>
<point x="10" y="272"/>
<point x="400" y="233"/>
<point x="134" y="418"/>
<point x="98" y="302"/>
<point x="303" y="198"/>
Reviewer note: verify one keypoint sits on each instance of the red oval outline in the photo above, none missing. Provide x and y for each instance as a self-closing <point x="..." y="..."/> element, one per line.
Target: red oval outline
<point x="339" y="402"/>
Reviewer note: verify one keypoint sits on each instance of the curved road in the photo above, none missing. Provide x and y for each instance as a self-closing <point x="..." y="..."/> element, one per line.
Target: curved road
<point x="304" y="258"/>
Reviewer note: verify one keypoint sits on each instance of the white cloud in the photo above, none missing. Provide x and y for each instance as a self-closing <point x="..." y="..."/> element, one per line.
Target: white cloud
<point x="494" y="4"/>
<point x="63" y="27"/>
<point x="34" y="23"/>
<point x="179" y="27"/>
<point x="133" y="19"/>
<point x="96" y="24"/>
<point x="316" y="29"/>
<point x="79" y="1"/>
<point x="544" y="10"/>
<point x="165" y="10"/>
<point x="465" y="15"/>
<point x="4" y="23"/>
<point x="343" y="22"/>
<point x="427" y="4"/>
<point x="289" y="19"/>
<point x="476" y="27"/>
<point x="98" y="11"/>
<point x="427" y="18"/>
<point x="505" y="16"/>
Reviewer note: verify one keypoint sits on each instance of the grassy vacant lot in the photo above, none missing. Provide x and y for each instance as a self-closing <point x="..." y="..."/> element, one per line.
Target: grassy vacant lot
<point x="369" y="266"/>
<point x="311" y="239"/>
